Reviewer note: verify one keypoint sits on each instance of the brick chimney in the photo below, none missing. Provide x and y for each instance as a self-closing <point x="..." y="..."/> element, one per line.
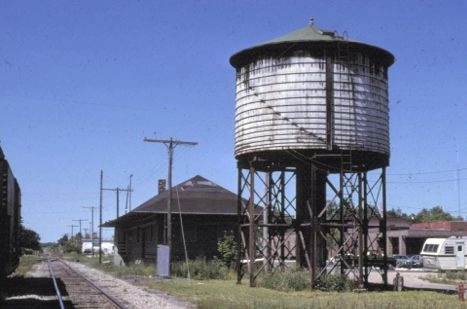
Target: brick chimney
<point x="161" y="186"/>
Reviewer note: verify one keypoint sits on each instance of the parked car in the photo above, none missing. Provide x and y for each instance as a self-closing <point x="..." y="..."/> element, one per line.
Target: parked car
<point x="415" y="261"/>
<point x="401" y="260"/>
<point x="412" y="261"/>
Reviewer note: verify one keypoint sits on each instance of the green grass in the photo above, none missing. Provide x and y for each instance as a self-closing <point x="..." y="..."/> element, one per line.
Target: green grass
<point x="210" y="294"/>
<point x="227" y="294"/>
<point x="118" y="271"/>
<point x="200" y="269"/>
<point x="26" y="263"/>
<point x="448" y="277"/>
<point x="289" y="280"/>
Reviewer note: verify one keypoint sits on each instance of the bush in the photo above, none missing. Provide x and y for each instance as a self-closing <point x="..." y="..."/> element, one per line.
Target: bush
<point x="289" y="280"/>
<point x="71" y="246"/>
<point x="200" y="269"/>
<point x="227" y="248"/>
<point x="450" y="274"/>
<point x="455" y="275"/>
<point x="337" y="283"/>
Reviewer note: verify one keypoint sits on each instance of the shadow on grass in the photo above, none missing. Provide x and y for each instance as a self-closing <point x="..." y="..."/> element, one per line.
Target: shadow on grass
<point x="22" y="293"/>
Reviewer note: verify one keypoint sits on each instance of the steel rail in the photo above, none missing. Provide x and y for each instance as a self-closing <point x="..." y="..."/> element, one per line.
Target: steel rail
<point x="115" y="301"/>
<point x="57" y="289"/>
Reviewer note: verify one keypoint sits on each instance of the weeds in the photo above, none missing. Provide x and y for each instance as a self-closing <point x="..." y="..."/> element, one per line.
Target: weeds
<point x="298" y="280"/>
<point x="455" y="275"/>
<point x="335" y="283"/>
<point x="26" y="263"/>
<point x="134" y="269"/>
<point x="289" y="280"/>
<point x="200" y="269"/>
<point x="448" y="277"/>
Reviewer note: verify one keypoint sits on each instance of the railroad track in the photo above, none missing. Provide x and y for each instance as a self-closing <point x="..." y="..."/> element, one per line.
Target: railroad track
<point x="74" y="290"/>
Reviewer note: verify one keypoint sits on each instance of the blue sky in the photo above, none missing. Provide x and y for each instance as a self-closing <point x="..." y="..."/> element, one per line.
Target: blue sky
<point x="83" y="82"/>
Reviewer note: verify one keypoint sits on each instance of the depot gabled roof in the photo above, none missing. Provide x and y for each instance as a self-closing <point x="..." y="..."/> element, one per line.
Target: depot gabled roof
<point x="196" y="196"/>
<point x="306" y="36"/>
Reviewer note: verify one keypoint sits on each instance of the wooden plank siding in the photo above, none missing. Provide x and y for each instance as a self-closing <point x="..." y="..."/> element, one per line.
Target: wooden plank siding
<point x="202" y="232"/>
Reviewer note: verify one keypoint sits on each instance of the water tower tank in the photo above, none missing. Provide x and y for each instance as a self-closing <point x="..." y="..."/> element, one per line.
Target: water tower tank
<point x="312" y="93"/>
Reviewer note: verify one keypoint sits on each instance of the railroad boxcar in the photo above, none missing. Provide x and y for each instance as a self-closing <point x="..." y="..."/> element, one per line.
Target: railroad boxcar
<point x="445" y="253"/>
<point x="10" y="219"/>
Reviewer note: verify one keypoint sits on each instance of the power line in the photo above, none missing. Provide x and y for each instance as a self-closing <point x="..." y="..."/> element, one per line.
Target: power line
<point x="428" y="172"/>
<point x="427" y="181"/>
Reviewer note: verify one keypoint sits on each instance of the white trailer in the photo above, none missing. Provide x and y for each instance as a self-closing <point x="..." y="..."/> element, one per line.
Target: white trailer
<point x="86" y="247"/>
<point x="108" y="248"/>
<point x="445" y="253"/>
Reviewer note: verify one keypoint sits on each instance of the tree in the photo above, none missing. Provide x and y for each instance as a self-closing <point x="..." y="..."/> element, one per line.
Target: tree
<point x="63" y="240"/>
<point x="435" y="214"/>
<point x="397" y="213"/>
<point x="425" y="215"/>
<point x="69" y="245"/>
<point x="227" y="248"/>
<point x="29" y="238"/>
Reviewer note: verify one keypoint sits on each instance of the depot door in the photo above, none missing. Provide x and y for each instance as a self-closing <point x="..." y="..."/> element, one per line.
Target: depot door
<point x="460" y="261"/>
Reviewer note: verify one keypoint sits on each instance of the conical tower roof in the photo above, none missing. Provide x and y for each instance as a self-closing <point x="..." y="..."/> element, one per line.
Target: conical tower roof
<point x="311" y="37"/>
<point x="307" y="34"/>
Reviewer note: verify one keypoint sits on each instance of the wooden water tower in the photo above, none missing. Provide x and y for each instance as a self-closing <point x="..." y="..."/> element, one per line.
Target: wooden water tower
<point x="312" y="147"/>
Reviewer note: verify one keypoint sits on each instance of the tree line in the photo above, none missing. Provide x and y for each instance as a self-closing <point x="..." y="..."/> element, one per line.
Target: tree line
<point x="425" y="215"/>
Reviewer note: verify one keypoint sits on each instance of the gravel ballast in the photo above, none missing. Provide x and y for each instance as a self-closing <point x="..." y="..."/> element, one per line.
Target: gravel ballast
<point x="134" y="296"/>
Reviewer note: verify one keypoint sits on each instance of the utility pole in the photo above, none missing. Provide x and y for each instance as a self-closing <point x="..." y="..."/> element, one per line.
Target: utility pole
<point x="128" y="196"/>
<point x="118" y="190"/>
<point x="458" y="172"/>
<point x="92" y="224"/>
<point x="170" y="144"/>
<point x="72" y="231"/>
<point x="100" y="207"/>
<point x="100" y="218"/>
<point x="80" y="220"/>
